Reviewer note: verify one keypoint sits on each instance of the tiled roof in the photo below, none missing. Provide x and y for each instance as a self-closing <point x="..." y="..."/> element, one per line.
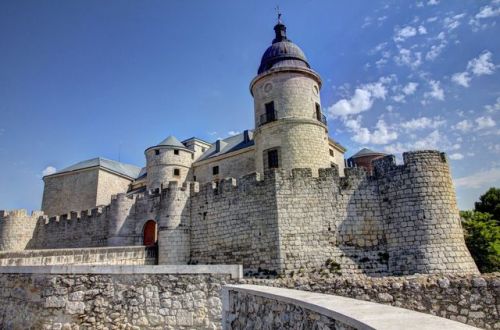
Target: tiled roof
<point x="171" y="141"/>
<point x="230" y="144"/>
<point x="127" y="170"/>
<point x="367" y="152"/>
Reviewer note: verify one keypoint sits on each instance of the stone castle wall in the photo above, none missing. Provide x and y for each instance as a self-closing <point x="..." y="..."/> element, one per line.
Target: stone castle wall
<point x="80" y="190"/>
<point x="238" y="164"/>
<point x="235" y="222"/>
<point x="16" y="229"/>
<point x="59" y="195"/>
<point x="77" y="229"/>
<point x="401" y="220"/>
<point x="421" y="218"/>
<point x="123" y="255"/>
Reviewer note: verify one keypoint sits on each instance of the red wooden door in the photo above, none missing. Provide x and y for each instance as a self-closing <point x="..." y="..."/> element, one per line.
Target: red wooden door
<point x="150" y="233"/>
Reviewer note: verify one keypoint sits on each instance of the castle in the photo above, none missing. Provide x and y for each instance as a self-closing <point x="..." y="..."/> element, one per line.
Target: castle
<point x="277" y="199"/>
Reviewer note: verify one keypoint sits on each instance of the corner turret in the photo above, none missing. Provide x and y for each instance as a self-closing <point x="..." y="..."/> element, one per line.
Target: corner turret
<point x="290" y="128"/>
<point x="168" y="161"/>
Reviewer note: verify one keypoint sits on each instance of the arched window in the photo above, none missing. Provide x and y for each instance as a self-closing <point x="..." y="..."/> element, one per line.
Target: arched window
<point x="149" y="235"/>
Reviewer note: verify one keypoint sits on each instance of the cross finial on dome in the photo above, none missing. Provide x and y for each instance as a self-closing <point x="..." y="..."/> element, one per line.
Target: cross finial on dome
<point x="279" y="28"/>
<point x="279" y="14"/>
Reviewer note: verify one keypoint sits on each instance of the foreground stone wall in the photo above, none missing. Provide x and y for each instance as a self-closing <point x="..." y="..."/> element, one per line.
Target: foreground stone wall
<point x="121" y="301"/>
<point x="249" y="311"/>
<point x="261" y="307"/>
<point x="123" y="255"/>
<point x="473" y="300"/>
<point x="129" y="296"/>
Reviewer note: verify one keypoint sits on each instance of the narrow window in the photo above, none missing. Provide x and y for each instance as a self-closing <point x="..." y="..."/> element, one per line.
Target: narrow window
<point x="177" y="172"/>
<point x="331" y="152"/>
<point x="176" y="151"/>
<point x="270" y="113"/>
<point x="318" y="112"/>
<point x="215" y="170"/>
<point x="157" y="152"/>
<point x="203" y="149"/>
<point x="194" y="178"/>
<point x="272" y="159"/>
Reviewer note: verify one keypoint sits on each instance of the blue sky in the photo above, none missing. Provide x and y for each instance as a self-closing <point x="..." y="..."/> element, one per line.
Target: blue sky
<point x="80" y="79"/>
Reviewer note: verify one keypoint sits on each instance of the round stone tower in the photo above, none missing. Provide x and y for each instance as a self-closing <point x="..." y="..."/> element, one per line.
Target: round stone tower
<point x="168" y="161"/>
<point x="290" y="129"/>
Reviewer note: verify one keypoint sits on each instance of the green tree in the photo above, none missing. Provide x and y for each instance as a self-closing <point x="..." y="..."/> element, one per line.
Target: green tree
<point x="489" y="202"/>
<point x="482" y="236"/>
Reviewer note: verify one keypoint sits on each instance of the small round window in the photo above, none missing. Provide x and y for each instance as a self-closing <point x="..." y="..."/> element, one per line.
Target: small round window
<point x="268" y="87"/>
<point x="316" y="90"/>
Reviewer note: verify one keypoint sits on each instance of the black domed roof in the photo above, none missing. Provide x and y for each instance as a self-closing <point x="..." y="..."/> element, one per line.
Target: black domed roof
<point x="282" y="53"/>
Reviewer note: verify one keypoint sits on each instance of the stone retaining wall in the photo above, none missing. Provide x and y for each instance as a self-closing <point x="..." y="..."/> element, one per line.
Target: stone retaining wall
<point x="123" y="255"/>
<point x="261" y="307"/>
<point x="473" y="300"/>
<point x="162" y="300"/>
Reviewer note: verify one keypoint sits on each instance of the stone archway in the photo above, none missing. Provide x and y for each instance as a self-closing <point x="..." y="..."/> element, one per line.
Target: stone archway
<point x="150" y="236"/>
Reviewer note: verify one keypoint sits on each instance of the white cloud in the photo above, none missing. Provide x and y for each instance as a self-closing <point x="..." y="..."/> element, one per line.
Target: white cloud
<point x="479" y="179"/>
<point x="490" y="108"/>
<point x="451" y="23"/>
<point x="461" y="78"/>
<point x="464" y="126"/>
<point x="49" y="170"/>
<point x="405" y="33"/>
<point x="434" y="140"/>
<point x="423" y="123"/>
<point x="410" y="88"/>
<point x="381" y="134"/>
<point x="231" y="133"/>
<point x="487" y="12"/>
<point x="436" y="91"/>
<point x="456" y="156"/>
<point x="406" y="57"/>
<point x="362" y="99"/>
<point x="422" y="30"/>
<point x="479" y="123"/>
<point x="484" y="122"/>
<point x="482" y="64"/>
<point x="435" y="51"/>
<point x="494" y="148"/>
<point x="432" y="2"/>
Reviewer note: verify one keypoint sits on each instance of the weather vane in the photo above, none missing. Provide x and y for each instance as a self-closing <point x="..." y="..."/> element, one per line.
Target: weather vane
<point x="279" y="14"/>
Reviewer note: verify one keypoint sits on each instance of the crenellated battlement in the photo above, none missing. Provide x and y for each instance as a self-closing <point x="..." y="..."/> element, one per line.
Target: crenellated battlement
<point x="387" y="164"/>
<point x="395" y="220"/>
<point x="19" y="213"/>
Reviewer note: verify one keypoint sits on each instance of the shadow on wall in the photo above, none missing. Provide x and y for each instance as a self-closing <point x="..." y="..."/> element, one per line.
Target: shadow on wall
<point x="360" y="234"/>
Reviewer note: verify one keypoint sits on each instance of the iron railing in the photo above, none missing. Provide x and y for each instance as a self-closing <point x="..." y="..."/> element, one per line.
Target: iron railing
<point x="267" y="118"/>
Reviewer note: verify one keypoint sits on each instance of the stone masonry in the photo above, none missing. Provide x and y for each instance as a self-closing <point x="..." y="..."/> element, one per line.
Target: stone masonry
<point x="402" y="220"/>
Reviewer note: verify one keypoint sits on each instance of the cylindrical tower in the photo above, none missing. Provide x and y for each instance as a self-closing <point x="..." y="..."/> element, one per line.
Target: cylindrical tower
<point x="422" y="222"/>
<point x="174" y="224"/>
<point x="168" y="161"/>
<point x="17" y="228"/>
<point x="290" y="128"/>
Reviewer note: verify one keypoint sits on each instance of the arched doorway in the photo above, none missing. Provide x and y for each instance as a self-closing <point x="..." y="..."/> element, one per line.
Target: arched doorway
<point x="150" y="237"/>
